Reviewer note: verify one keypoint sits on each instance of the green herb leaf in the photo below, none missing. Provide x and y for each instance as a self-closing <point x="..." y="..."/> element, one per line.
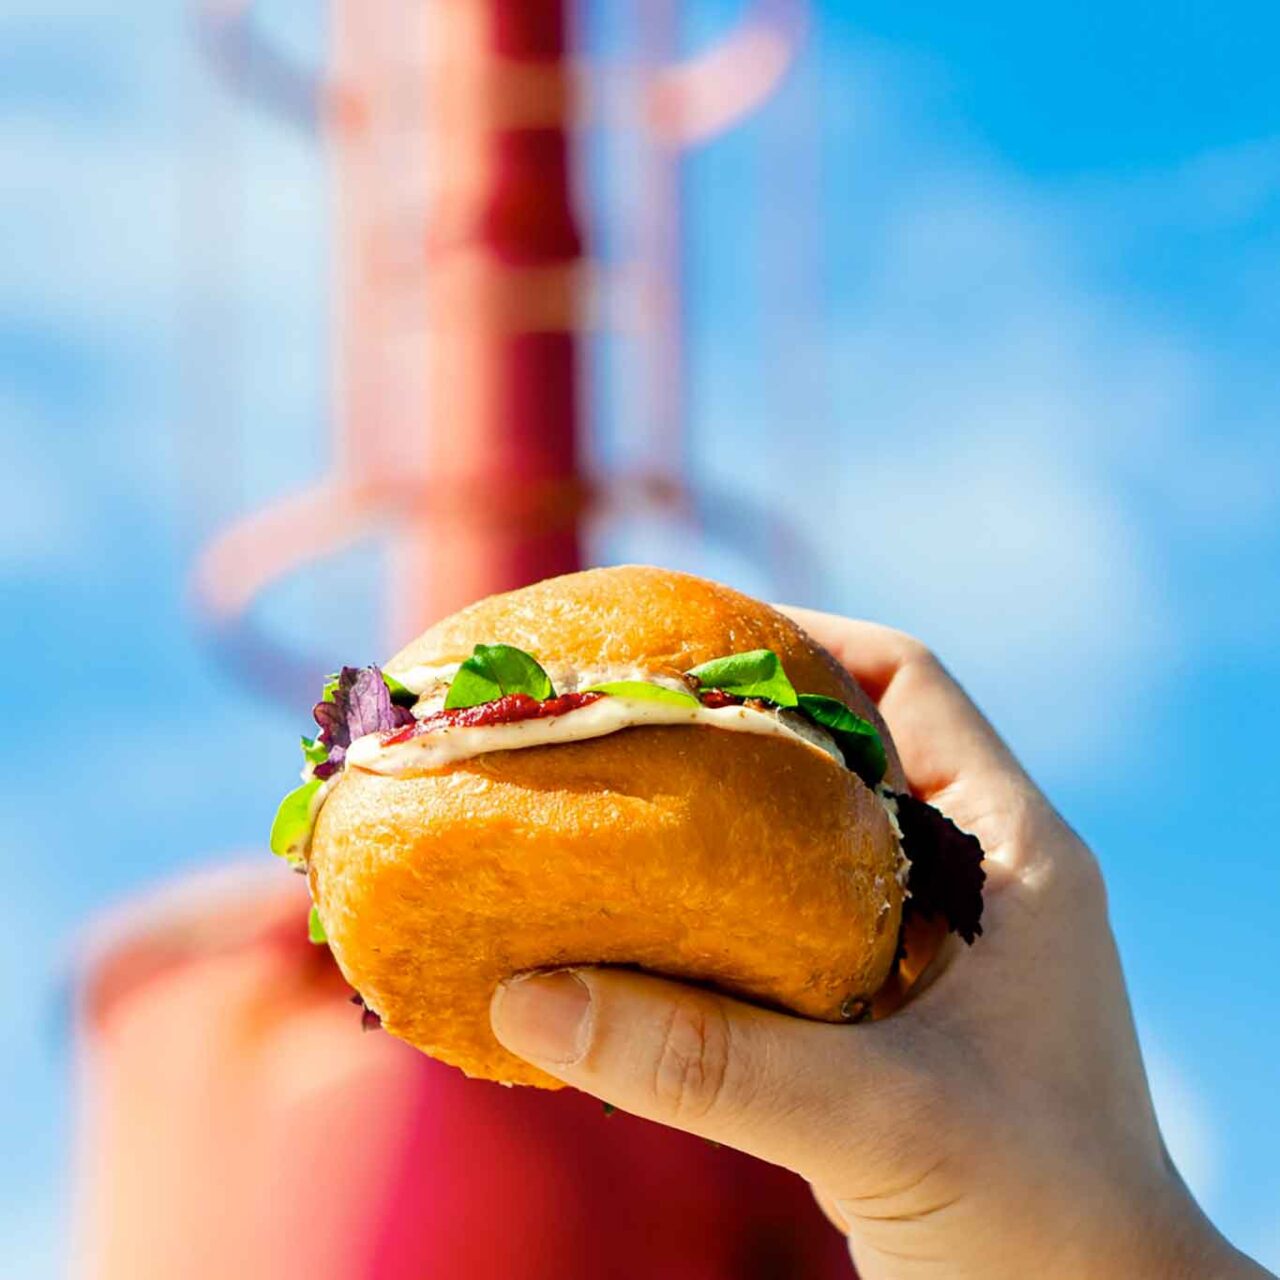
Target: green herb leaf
<point x="757" y="674"/>
<point x="399" y="694"/>
<point x="645" y="692"/>
<point x="858" y="739"/>
<point x="314" y="751"/>
<point x="315" y="928"/>
<point x="493" y="671"/>
<point x="292" y="826"/>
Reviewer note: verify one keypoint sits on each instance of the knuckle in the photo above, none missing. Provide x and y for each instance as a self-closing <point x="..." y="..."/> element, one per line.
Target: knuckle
<point x="912" y="1116"/>
<point x="692" y="1069"/>
<point x="921" y="664"/>
<point x="916" y="653"/>
<point x="1086" y="882"/>
<point x="1076" y="881"/>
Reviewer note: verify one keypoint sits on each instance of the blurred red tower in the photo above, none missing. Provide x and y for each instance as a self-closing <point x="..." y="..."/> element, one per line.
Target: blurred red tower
<point x="237" y="1123"/>
<point x="492" y="261"/>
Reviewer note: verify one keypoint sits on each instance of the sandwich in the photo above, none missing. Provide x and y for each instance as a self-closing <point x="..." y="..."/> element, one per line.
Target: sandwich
<point x="627" y="766"/>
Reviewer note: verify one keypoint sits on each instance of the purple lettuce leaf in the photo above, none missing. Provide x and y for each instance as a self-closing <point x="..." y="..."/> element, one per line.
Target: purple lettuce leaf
<point x="361" y="704"/>
<point x="369" y="1021"/>
<point x="946" y="876"/>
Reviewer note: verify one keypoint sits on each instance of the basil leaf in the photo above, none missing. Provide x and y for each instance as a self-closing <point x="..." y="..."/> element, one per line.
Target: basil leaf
<point x="314" y="751"/>
<point x="645" y="692"/>
<point x="292" y="826"/>
<point x="315" y="928"/>
<point x="493" y="671"/>
<point x="757" y="674"/>
<point x="399" y="694"/>
<point x="471" y="687"/>
<point x="858" y="739"/>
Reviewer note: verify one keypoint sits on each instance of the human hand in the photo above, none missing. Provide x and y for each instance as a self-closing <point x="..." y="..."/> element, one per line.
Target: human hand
<point x="1000" y="1123"/>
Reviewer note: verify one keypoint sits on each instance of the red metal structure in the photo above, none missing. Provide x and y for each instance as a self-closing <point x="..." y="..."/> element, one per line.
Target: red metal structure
<point x="236" y="1122"/>
<point x="464" y="296"/>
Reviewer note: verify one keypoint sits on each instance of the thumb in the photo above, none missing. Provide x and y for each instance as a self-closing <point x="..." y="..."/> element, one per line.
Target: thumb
<point x="781" y="1088"/>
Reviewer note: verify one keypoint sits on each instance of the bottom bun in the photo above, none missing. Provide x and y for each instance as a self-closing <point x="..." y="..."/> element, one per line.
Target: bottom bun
<point x="753" y="865"/>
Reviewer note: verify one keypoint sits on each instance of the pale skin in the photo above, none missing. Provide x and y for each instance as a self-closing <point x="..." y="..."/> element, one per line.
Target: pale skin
<point x="1000" y="1125"/>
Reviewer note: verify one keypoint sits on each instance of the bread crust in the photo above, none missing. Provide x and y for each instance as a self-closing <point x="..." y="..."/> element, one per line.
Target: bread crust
<point x="637" y="615"/>
<point x="756" y="865"/>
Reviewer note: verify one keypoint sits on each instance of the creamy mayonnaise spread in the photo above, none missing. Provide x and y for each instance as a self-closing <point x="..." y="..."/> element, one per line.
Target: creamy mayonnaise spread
<point x="889" y="802"/>
<point x="431" y="683"/>
<point x="450" y="743"/>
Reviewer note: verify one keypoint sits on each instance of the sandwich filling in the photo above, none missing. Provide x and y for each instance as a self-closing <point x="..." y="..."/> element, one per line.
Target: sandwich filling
<point x="501" y="699"/>
<point x="440" y="737"/>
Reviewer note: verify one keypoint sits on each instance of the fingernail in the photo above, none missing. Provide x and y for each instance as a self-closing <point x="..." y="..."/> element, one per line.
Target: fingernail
<point x="543" y="1016"/>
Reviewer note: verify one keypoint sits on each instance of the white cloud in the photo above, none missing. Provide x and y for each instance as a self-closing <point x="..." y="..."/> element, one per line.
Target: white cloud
<point x="18" y="13"/>
<point x="131" y="242"/>
<point x="1018" y="447"/>
<point x="1185" y="1121"/>
<point x="31" y="1233"/>
<point x="1267" y="1248"/>
<point x="1006" y="537"/>
<point x="109" y="223"/>
<point x="38" y="526"/>
<point x="978" y="491"/>
<point x="1196" y="1146"/>
<point x="1018" y="566"/>
<point x="1221" y="188"/>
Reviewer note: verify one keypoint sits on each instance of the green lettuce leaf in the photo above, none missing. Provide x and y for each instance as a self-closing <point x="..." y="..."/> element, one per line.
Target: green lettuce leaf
<point x="757" y="674"/>
<point x="292" y="826"/>
<point x="401" y="696"/>
<point x="315" y="928"/>
<point x="858" y="739"/>
<point x="645" y="692"/>
<point x="492" y="672"/>
<point x="314" y="751"/>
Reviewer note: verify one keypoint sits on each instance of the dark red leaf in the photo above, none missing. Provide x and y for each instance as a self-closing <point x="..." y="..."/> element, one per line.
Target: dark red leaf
<point x="946" y="875"/>
<point x="361" y="704"/>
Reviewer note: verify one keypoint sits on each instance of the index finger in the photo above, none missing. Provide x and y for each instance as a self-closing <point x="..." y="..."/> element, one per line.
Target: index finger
<point x="940" y="734"/>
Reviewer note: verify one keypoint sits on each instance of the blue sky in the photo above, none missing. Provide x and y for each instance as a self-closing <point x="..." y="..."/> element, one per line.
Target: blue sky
<point x="1010" y="373"/>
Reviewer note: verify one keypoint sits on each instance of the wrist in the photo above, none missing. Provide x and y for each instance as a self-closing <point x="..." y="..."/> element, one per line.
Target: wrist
<point x="1167" y="1237"/>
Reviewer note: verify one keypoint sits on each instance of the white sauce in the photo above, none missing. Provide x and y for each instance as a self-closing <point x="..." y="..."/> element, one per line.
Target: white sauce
<point x="889" y="802"/>
<point x="420" y="678"/>
<point x="610" y="714"/>
<point x="431" y="684"/>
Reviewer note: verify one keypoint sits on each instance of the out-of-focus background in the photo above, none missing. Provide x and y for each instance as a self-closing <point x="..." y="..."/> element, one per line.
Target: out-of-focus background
<point x="979" y="315"/>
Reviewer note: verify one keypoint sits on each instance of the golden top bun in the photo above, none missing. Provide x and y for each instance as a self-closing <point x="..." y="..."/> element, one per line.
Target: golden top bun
<point x="757" y="865"/>
<point x="636" y="615"/>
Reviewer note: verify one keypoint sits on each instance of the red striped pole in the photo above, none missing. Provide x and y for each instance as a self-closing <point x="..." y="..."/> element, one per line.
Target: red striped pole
<point x="497" y="442"/>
